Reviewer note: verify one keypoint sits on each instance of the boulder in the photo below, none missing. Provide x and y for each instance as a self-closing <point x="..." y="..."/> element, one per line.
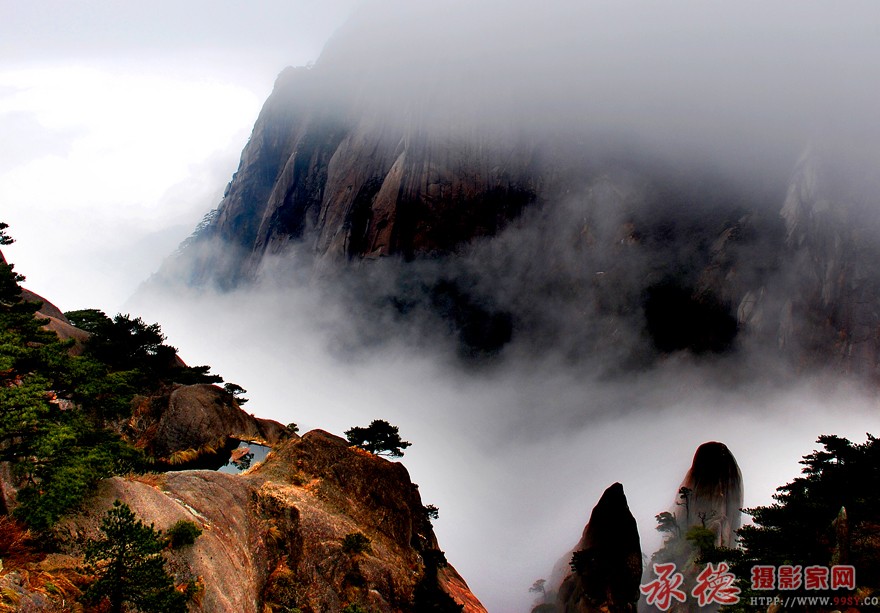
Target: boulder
<point x="197" y="426"/>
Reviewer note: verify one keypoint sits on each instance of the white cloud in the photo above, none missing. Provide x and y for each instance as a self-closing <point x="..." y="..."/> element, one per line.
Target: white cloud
<point x="120" y="155"/>
<point x="515" y="457"/>
<point x="129" y="136"/>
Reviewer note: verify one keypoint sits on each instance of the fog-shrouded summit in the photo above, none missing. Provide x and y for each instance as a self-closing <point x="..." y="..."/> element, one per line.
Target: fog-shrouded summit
<point x="543" y="185"/>
<point x="606" y="565"/>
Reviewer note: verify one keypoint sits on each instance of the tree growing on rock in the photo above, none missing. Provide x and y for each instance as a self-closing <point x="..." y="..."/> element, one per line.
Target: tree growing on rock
<point x="127" y="344"/>
<point x="841" y="479"/>
<point x="236" y="391"/>
<point x="57" y="453"/>
<point x="129" y="565"/>
<point x="379" y="437"/>
<point x="538" y="587"/>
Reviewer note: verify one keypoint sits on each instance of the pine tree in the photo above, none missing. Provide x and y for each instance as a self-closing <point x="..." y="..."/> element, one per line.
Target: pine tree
<point x="58" y="453"/>
<point x="800" y="528"/>
<point x="130" y="567"/>
<point x="379" y="437"/>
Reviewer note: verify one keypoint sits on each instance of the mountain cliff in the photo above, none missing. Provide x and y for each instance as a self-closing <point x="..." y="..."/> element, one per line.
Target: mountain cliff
<point x="356" y="185"/>
<point x="516" y="236"/>
<point x="705" y="518"/>
<point x="711" y="494"/>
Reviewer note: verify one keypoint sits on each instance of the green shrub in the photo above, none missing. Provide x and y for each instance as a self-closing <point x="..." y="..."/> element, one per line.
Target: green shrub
<point x="182" y="533"/>
<point x="356" y="542"/>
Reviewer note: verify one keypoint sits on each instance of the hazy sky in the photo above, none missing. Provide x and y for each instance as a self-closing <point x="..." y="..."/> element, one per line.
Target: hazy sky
<point x="121" y="123"/>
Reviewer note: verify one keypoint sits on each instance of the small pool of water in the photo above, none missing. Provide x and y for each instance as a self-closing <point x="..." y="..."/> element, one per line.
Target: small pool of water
<point x="245" y="456"/>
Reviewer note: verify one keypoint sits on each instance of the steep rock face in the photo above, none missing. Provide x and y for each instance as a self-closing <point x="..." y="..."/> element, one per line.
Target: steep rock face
<point x="714" y="493"/>
<point x="382" y="150"/>
<point x="683" y="258"/>
<point x="337" y="490"/>
<point x="273" y="537"/>
<point x="606" y="564"/>
<point x="831" y="239"/>
<point x="706" y="513"/>
<point x="230" y="556"/>
<point x="202" y="421"/>
<point x="356" y="185"/>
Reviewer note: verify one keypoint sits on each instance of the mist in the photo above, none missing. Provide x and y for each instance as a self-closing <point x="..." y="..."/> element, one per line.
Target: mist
<point x="743" y="83"/>
<point x="122" y="123"/>
<point x="522" y="367"/>
<point x="515" y="456"/>
<point x="529" y="368"/>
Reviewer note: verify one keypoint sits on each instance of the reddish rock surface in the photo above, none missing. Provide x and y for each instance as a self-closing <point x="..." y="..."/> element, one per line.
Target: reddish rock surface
<point x="273" y="537"/>
<point x="197" y="426"/>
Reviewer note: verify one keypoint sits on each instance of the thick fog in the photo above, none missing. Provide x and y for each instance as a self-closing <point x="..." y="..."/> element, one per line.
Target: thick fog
<point x="516" y="443"/>
<point x="121" y="123"/>
<point x="515" y="456"/>
<point x="741" y="82"/>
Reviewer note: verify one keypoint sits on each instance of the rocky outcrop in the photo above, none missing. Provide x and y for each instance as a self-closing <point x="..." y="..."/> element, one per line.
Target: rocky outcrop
<point x="47" y="309"/>
<point x="605" y="568"/>
<point x="355" y="186"/>
<point x="197" y="426"/>
<point x="65" y="331"/>
<point x="230" y="556"/>
<point x="711" y="494"/>
<point x="56" y="321"/>
<point x="273" y="538"/>
<point x="706" y="514"/>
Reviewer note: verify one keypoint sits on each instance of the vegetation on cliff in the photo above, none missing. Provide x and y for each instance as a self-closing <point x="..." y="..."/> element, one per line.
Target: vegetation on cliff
<point x="829" y="516"/>
<point x="57" y="406"/>
<point x="379" y="437"/>
<point x="77" y="412"/>
<point x="58" y="453"/>
<point x="130" y="567"/>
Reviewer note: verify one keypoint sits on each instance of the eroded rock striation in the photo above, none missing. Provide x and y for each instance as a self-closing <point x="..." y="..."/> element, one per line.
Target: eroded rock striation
<point x="667" y="256"/>
<point x="355" y="185"/>
<point x="274" y="537"/>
